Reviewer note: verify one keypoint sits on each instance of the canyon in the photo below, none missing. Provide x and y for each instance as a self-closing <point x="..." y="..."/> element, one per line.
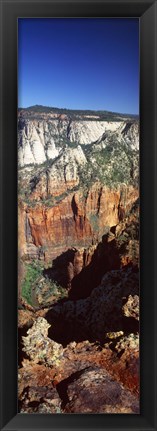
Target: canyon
<point x="78" y="265"/>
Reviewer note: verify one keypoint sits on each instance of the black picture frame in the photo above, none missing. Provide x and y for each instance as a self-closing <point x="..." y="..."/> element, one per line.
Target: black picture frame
<point x="146" y="11"/>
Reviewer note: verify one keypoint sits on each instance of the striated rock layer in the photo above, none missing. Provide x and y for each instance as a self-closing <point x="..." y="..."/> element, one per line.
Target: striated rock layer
<point x="75" y="221"/>
<point x="78" y="176"/>
<point x="39" y="140"/>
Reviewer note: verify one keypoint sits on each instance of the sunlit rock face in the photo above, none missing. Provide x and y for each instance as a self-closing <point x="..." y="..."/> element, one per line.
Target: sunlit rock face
<point x="78" y="244"/>
<point x="39" y="347"/>
<point x="42" y="137"/>
<point x="73" y="221"/>
<point x="42" y="140"/>
<point x="77" y="178"/>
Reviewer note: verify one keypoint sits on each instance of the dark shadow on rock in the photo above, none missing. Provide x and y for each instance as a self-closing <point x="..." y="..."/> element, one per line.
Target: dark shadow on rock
<point x="105" y="258"/>
<point x="63" y="330"/>
<point x="130" y="325"/>
<point x="59" y="270"/>
<point x="66" y="322"/>
<point x="74" y="207"/>
<point x="63" y="386"/>
<point x="69" y="319"/>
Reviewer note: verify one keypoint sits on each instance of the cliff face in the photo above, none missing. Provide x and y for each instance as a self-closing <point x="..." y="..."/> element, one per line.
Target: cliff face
<point x="76" y="179"/>
<point x="81" y="270"/>
<point x="78" y="235"/>
<point x="75" y="221"/>
<point x="41" y="140"/>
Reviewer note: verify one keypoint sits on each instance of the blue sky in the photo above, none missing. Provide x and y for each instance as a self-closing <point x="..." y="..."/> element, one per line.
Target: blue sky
<point x="79" y="63"/>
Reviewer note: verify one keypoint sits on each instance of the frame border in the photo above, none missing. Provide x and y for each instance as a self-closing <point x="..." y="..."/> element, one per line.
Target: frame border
<point x="146" y="11"/>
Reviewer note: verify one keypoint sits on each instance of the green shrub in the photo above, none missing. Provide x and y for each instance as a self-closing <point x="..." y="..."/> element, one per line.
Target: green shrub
<point x="32" y="273"/>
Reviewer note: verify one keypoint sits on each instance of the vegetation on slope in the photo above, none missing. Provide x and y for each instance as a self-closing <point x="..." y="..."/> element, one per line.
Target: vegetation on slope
<point x="74" y="114"/>
<point x="36" y="289"/>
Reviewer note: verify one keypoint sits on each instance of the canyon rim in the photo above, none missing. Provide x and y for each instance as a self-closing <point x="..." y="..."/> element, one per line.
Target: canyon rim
<point x="78" y="260"/>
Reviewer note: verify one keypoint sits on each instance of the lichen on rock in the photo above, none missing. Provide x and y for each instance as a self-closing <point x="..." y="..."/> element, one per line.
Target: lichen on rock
<point x="39" y="347"/>
<point x="131" y="307"/>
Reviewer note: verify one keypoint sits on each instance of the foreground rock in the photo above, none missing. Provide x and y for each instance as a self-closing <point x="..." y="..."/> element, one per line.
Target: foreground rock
<point x="85" y="372"/>
<point x="37" y="392"/>
<point x="39" y="347"/>
<point x="94" y="391"/>
<point x="53" y="379"/>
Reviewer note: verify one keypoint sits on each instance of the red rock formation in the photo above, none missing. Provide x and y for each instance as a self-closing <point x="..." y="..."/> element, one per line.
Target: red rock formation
<point x="76" y="221"/>
<point x="119" y="368"/>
